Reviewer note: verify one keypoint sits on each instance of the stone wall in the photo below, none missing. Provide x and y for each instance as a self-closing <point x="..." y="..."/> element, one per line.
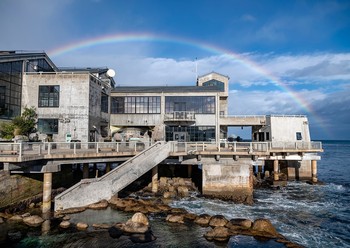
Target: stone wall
<point x="14" y="188"/>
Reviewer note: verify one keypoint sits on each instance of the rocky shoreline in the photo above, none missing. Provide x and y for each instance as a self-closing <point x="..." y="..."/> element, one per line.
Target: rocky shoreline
<point x="139" y="228"/>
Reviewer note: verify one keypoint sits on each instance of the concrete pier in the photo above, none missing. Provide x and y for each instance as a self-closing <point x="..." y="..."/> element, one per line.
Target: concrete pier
<point x="314" y="171"/>
<point x="189" y="170"/>
<point x="47" y="189"/>
<point x="85" y="171"/>
<point x="155" y="179"/>
<point x="275" y="170"/>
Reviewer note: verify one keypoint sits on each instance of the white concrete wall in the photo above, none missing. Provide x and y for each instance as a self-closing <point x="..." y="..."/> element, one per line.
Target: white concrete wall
<point x="284" y="128"/>
<point x="79" y="102"/>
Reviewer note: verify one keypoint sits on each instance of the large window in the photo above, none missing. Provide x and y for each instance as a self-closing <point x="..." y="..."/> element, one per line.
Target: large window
<point x="104" y="103"/>
<point x="218" y="84"/>
<point x="193" y="133"/>
<point x="49" y="96"/>
<point x="135" y="105"/>
<point x="196" y="104"/>
<point x="48" y="126"/>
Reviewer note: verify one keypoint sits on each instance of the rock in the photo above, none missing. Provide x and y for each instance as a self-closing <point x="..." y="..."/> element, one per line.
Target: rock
<point x="134" y="227"/>
<point x="182" y="182"/>
<point x="182" y="191"/>
<point x="163" y="181"/>
<point x="71" y="210"/>
<point x="101" y="226"/>
<point x="190" y="216"/>
<point x="15" y="218"/>
<point x="175" y="218"/>
<point x="99" y="205"/>
<point x="143" y="238"/>
<point x="178" y="211"/>
<point x="171" y="189"/>
<point x="265" y="228"/>
<point x="115" y="232"/>
<point x="14" y="235"/>
<point x="236" y="224"/>
<point x="1" y="220"/>
<point x="82" y="226"/>
<point x="66" y="217"/>
<point x="152" y="209"/>
<point x="217" y="220"/>
<point x="140" y="218"/>
<point x="219" y="233"/>
<point x="32" y="205"/>
<point x="121" y="204"/>
<point x="202" y="220"/>
<point x="33" y="220"/>
<point x="65" y="224"/>
<point x="164" y="207"/>
<point x="25" y="215"/>
<point x="168" y="194"/>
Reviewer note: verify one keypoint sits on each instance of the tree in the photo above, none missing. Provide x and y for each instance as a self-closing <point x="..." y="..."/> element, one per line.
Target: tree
<point x="21" y="125"/>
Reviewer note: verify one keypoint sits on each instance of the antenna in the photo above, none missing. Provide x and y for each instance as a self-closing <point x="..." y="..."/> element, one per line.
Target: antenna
<point x="196" y="69"/>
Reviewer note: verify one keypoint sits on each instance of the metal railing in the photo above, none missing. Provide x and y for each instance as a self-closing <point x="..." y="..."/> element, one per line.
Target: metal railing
<point x="180" y="116"/>
<point x="51" y="148"/>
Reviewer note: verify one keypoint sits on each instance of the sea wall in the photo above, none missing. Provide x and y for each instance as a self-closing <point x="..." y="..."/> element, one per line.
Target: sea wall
<point x="15" y="188"/>
<point x="229" y="181"/>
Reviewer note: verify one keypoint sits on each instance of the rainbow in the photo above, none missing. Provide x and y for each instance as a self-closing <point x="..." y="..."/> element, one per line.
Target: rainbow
<point x="145" y="37"/>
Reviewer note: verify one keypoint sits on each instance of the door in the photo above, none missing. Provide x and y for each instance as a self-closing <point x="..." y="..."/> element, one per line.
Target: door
<point x="180" y="136"/>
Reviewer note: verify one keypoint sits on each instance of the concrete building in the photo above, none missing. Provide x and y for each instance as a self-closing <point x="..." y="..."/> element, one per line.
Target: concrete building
<point x="71" y="103"/>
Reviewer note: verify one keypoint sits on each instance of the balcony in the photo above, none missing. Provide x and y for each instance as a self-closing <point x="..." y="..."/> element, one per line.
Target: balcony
<point x="180" y="117"/>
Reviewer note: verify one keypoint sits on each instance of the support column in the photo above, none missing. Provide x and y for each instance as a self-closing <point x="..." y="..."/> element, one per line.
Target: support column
<point x="189" y="170"/>
<point x="314" y="170"/>
<point x="85" y="171"/>
<point x="275" y="170"/>
<point x="155" y="179"/>
<point x="108" y="167"/>
<point x="47" y="192"/>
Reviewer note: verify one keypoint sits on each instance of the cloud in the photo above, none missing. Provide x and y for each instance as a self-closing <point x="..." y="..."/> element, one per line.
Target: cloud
<point x="248" y="18"/>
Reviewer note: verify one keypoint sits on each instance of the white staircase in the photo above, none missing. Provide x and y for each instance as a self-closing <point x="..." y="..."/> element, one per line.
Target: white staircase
<point x="92" y="190"/>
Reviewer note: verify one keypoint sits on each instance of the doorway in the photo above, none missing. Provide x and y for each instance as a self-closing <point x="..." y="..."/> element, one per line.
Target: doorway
<point x="180" y="136"/>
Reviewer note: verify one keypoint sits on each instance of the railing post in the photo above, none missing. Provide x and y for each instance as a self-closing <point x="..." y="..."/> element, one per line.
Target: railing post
<point x="234" y="146"/>
<point x="251" y="146"/>
<point x="117" y="147"/>
<point x="48" y="148"/>
<point x="20" y="149"/>
<point x="74" y="148"/>
<point x="96" y="147"/>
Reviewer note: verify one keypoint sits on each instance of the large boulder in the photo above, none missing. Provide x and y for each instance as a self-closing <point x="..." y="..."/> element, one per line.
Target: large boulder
<point x="33" y="220"/>
<point x="82" y="226"/>
<point x="217" y="220"/>
<point x="115" y="232"/>
<point x="264" y="227"/>
<point x="137" y="224"/>
<point x="219" y="233"/>
<point x="140" y="218"/>
<point x="202" y="220"/>
<point x="238" y="224"/>
<point x="175" y="218"/>
<point x="15" y="218"/>
<point x="121" y="204"/>
<point x="65" y="224"/>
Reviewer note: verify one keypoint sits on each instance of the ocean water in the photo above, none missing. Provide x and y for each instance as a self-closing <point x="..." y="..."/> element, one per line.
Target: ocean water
<point x="310" y="215"/>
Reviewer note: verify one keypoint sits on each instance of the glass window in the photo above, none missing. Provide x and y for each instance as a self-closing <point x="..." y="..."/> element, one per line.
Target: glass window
<point x="193" y="133"/>
<point x="196" y="104"/>
<point x="49" y="96"/>
<point x="104" y="103"/>
<point x="299" y="137"/>
<point x="48" y="126"/>
<point x="135" y="105"/>
<point x="218" y="84"/>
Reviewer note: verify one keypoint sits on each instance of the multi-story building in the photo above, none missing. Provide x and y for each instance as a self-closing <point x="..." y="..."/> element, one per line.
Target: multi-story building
<point x="71" y="103"/>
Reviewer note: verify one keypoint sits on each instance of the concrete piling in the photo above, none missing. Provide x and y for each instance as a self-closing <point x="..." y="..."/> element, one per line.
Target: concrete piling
<point x="47" y="189"/>
<point x="275" y="170"/>
<point x="155" y="179"/>
<point x="314" y="171"/>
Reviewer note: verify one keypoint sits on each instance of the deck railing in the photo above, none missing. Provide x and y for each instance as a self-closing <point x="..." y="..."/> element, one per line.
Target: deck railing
<point x="51" y="148"/>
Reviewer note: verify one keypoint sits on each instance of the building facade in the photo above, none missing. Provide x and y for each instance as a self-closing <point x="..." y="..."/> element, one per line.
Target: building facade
<point x="71" y="103"/>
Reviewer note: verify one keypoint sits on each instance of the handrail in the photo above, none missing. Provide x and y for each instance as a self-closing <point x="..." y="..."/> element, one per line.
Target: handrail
<point x="51" y="148"/>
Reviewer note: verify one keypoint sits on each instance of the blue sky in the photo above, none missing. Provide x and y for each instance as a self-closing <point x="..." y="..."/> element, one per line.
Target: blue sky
<point x="282" y="57"/>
